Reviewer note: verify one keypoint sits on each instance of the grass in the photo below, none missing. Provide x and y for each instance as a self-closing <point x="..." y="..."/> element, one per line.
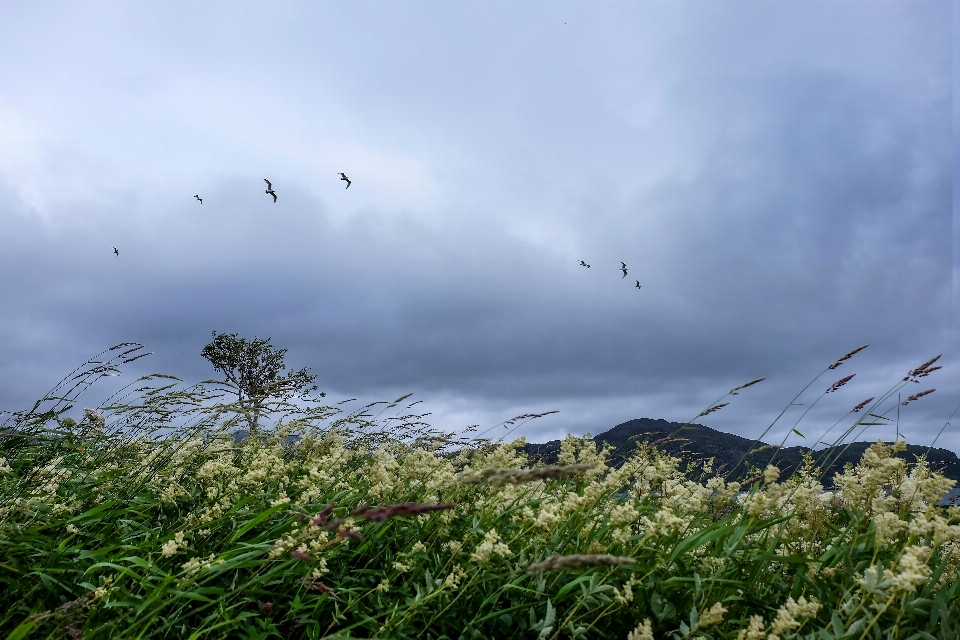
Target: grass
<point x="148" y="519"/>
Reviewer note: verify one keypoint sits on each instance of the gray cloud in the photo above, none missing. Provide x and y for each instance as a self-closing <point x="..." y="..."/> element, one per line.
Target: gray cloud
<point x="778" y="180"/>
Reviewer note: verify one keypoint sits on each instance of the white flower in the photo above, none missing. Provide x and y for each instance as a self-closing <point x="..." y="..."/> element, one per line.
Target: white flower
<point x="453" y="546"/>
<point x="713" y="616"/>
<point x="642" y="632"/>
<point x="887" y="526"/>
<point x="94" y="416"/>
<point x="787" y="615"/>
<point x="626" y="595"/>
<point x="770" y="474"/>
<point x="72" y="529"/>
<point x="754" y="631"/>
<point x="170" y="547"/>
<point x="490" y="546"/>
<point x="453" y="579"/>
<point x="913" y="568"/>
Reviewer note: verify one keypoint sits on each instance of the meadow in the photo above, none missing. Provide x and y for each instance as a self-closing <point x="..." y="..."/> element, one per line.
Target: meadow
<point x="149" y="518"/>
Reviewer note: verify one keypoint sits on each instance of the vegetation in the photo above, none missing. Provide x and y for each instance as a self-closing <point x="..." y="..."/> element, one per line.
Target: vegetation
<point x="252" y="370"/>
<point x="149" y="519"/>
<point x="694" y="443"/>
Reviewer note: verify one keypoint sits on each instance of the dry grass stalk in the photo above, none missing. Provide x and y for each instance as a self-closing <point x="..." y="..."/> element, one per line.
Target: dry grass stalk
<point x="923" y="370"/>
<point x="839" y="383"/>
<point x="712" y="409"/>
<point x="498" y="477"/>
<point x="766" y="447"/>
<point x="528" y="416"/>
<point x="917" y="395"/>
<point x="733" y="391"/>
<point x="322" y="588"/>
<point x="847" y="357"/>
<point x="321" y="518"/>
<point x="857" y="408"/>
<point x="579" y="561"/>
<point x="402" y="509"/>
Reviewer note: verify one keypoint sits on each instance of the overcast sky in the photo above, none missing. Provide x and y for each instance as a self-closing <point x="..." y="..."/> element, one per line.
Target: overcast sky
<point x="777" y="176"/>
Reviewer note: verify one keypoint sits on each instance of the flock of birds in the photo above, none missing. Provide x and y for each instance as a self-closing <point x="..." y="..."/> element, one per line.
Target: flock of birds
<point x="269" y="192"/>
<point x="623" y="268"/>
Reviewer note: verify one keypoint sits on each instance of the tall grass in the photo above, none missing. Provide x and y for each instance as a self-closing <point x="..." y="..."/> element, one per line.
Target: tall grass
<point x="149" y="519"/>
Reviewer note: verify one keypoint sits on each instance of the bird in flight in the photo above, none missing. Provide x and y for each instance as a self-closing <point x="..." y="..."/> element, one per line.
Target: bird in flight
<point x="638" y="284"/>
<point x="115" y="251"/>
<point x="623" y="267"/>
<point x="199" y="198"/>
<point x="584" y="264"/>
<point x="270" y="190"/>
<point x="343" y="176"/>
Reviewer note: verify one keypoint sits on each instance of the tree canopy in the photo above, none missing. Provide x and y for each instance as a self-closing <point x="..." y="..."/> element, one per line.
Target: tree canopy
<point x="253" y="371"/>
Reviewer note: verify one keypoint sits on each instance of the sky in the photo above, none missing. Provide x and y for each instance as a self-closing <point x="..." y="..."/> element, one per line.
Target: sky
<point x="778" y="178"/>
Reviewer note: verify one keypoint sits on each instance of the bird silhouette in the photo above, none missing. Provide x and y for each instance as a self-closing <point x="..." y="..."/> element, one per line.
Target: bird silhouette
<point x="115" y="251"/>
<point x="623" y="267"/>
<point x="584" y="264"/>
<point x="199" y="198"/>
<point x="638" y="284"/>
<point x="270" y="189"/>
<point x="344" y="177"/>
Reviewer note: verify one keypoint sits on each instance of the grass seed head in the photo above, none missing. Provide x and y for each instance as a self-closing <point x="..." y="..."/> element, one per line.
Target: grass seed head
<point x="403" y="509"/>
<point x="579" y="561"/>
<point x="916" y="396"/>
<point x="712" y="409"/>
<point x="321" y="518"/>
<point x="847" y="357"/>
<point x="744" y="386"/>
<point x="922" y="368"/>
<point x="501" y="476"/>
<point x="839" y="383"/>
<point x="322" y="588"/>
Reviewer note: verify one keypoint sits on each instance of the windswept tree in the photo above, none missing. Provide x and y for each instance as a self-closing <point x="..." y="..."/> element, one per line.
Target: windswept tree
<point x="253" y="371"/>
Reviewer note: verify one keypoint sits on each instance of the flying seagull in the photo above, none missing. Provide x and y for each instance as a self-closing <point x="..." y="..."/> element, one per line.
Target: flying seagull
<point x="623" y="267"/>
<point x="638" y="284"/>
<point x="584" y="264"/>
<point x="199" y="198"/>
<point x="344" y="177"/>
<point x="270" y="190"/>
<point x="115" y="251"/>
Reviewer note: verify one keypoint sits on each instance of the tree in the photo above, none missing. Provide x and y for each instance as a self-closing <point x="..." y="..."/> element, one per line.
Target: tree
<point x="252" y="370"/>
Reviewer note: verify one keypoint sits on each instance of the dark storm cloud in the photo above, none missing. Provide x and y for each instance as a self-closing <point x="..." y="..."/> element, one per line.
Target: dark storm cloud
<point x="778" y="180"/>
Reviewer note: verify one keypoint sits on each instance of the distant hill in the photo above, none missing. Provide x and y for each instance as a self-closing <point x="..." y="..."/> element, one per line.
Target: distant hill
<point x="695" y="442"/>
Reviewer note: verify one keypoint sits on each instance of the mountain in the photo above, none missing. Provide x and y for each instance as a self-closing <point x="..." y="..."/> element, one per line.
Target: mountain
<point x="695" y="442"/>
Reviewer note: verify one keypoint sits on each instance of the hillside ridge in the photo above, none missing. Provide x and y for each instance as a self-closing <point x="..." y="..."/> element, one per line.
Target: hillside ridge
<point x="697" y="442"/>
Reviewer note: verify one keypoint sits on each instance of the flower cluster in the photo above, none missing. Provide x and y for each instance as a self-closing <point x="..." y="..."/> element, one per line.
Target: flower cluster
<point x="170" y="547"/>
<point x="491" y="546"/>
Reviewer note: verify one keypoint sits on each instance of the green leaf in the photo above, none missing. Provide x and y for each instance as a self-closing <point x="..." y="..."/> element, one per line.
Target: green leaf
<point x="570" y="586"/>
<point x="250" y="525"/>
<point x="700" y="538"/>
<point x="23" y="629"/>
<point x="798" y="433"/>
